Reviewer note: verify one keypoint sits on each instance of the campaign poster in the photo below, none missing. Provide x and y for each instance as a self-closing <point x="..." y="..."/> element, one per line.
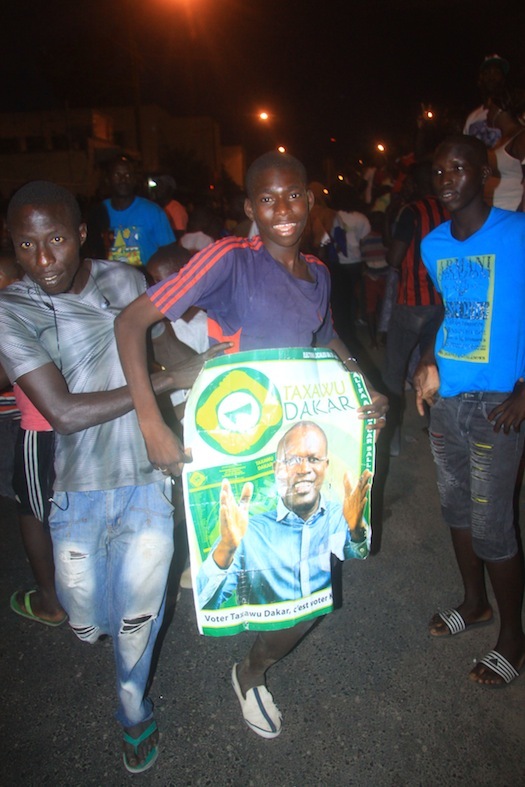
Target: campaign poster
<point x="280" y="480"/>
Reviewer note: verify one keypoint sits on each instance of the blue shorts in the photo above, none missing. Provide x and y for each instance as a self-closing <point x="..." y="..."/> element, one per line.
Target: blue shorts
<point x="476" y="471"/>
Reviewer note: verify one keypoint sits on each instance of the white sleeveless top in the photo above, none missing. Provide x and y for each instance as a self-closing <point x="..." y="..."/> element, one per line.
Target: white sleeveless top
<point x="504" y="189"/>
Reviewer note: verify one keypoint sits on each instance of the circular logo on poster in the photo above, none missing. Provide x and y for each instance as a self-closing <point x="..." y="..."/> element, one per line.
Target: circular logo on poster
<point x="239" y="412"/>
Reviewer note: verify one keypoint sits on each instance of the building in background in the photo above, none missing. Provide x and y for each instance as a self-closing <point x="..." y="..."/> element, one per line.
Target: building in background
<point x="70" y="146"/>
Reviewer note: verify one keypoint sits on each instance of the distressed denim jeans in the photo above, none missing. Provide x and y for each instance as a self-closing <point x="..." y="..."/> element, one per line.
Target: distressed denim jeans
<point x="476" y="471"/>
<point x="113" y="551"/>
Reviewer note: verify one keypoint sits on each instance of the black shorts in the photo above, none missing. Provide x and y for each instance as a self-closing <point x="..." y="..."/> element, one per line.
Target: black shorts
<point x="34" y="472"/>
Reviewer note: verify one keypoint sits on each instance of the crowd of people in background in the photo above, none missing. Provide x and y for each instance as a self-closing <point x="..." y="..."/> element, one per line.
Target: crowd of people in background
<point x="369" y="228"/>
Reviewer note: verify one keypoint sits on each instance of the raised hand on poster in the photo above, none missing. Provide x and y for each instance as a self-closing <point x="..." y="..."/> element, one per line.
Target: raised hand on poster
<point x="233" y="522"/>
<point x="354" y="502"/>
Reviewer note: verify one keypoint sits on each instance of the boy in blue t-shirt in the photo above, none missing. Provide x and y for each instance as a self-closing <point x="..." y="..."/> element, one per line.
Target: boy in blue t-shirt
<point x="474" y="381"/>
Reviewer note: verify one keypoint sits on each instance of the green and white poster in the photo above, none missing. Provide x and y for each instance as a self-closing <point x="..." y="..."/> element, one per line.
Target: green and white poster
<point x="280" y="480"/>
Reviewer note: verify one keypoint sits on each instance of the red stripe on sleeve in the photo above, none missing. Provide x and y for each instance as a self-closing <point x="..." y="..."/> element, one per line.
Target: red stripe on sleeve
<point x="215" y="332"/>
<point x="173" y="288"/>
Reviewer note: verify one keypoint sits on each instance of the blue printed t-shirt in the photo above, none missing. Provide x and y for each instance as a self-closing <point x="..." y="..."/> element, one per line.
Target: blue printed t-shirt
<point x="251" y="299"/>
<point x="137" y="231"/>
<point x="481" y="343"/>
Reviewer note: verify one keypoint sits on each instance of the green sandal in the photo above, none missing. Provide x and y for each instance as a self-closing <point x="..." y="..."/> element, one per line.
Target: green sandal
<point x="135" y="742"/>
<point x="26" y="611"/>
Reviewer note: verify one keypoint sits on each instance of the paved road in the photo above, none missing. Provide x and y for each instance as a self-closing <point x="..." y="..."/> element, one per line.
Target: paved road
<point x="368" y="699"/>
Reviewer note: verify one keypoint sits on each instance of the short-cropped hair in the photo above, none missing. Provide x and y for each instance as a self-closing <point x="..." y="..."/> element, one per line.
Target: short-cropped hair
<point x="476" y="147"/>
<point x="272" y="160"/>
<point x="44" y="193"/>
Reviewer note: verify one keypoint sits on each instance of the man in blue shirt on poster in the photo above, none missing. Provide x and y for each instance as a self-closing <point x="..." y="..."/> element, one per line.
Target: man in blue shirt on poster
<point x="284" y="554"/>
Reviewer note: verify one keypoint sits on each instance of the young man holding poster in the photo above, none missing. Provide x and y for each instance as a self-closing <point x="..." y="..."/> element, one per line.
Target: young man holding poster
<point x="260" y="293"/>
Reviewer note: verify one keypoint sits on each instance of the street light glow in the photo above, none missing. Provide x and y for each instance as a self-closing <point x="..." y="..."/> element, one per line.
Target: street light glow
<point x="264" y="116"/>
<point x="380" y="147"/>
<point x="281" y="149"/>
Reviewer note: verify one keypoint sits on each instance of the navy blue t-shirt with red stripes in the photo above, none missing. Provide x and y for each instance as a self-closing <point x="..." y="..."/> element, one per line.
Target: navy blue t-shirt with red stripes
<point x="251" y="299"/>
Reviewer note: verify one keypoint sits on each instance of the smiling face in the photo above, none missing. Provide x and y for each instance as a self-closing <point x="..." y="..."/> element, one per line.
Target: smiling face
<point x="458" y="175"/>
<point x="47" y="245"/>
<point x="279" y="203"/>
<point x="300" y="468"/>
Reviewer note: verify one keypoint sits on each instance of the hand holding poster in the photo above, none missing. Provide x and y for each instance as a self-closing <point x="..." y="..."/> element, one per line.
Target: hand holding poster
<point x="280" y="481"/>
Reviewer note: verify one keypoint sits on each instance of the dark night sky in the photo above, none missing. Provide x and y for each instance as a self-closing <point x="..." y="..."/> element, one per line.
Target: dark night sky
<point x="354" y="70"/>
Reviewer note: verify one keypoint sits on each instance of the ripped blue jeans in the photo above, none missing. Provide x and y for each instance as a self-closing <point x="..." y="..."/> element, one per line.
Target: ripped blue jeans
<point x="112" y="554"/>
<point x="476" y="471"/>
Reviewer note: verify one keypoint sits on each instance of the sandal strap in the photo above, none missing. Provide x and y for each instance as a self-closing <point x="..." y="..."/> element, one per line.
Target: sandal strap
<point x="453" y="620"/>
<point x="27" y="602"/>
<point x="135" y="742"/>
<point x="499" y="664"/>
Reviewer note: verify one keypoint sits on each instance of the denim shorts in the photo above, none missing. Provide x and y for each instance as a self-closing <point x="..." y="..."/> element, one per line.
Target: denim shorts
<point x="476" y="471"/>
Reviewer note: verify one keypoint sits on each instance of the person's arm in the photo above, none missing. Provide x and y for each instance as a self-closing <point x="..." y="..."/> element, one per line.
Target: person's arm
<point x="168" y="350"/>
<point x="233" y="519"/>
<point x="396" y="253"/>
<point x="521" y="157"/>
<point x="189" y="287"/>
<point x="4" y="380"/>
<point x="517" y="150"/>
<point x="426" y="379"/>
<point x="510" y="414"/>
<point x="402" y="238"/>
<point x="131" y="326"/>
<point x="71" y="412"/>
<point x="215" y="585"/>
<point x="378" y="407"/>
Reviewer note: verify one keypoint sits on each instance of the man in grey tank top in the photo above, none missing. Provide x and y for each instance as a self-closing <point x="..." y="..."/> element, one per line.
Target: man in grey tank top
<point x="111" y="520"/>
